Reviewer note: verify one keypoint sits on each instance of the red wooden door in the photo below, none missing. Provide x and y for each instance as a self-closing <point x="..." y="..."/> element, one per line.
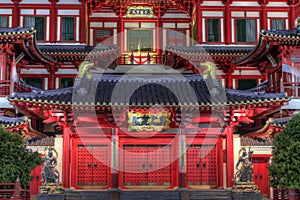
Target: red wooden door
<point x="147" y="165"/>
<point x="91" y="171"/>
<point x="201" y="166"/>
<point x="36" y="180"/>
<point x="260" y="174"/>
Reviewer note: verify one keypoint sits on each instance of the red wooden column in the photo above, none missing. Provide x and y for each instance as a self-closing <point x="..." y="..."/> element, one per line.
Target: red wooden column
<point x="229" y="82"/>
<point x="3" y="67"/>
<point x="230" y="156"/>
<point x="263" y="15"/>
<point x="83" y="22"/>
<point x="51" y="83"/>
<point x="159" y="38"/>
<point x="292" y="14"/>
<point x="198" y="23"/>
<point x="182" y="158"/>
<point x="16" y="14"/>
<point x="120" y="31"/>
<point x="66" y="157"/>
<point x="227" y="22"/>
<point x="114" y="158"/>
<point x="53" y="21"/>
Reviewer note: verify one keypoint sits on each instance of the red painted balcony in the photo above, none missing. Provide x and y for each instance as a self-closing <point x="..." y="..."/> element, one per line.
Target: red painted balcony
<point x="291" y="88"/>
<point x="7" y="87"/>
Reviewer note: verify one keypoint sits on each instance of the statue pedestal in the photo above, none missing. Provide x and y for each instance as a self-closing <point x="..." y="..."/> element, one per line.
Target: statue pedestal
<point x="245" y="191"/>
<point x="50" y="197"/>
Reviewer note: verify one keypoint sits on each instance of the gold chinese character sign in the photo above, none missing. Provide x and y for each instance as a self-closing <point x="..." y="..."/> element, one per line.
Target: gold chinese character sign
<point x="148" y="121"/>
<point x="139" y="11"/>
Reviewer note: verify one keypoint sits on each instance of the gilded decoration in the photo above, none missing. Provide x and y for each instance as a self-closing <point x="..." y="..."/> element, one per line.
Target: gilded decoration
<point x="148" y="121"/>
<point x="139" y="11"/>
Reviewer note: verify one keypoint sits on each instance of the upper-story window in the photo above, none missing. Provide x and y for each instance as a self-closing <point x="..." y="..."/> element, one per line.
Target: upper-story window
<point x="213" y="30"/>
<point x="103" y="35"/>
<point x="38" y="23"/>
<point x="140" y="40"/>
<point x="246" y="30"/>
<point x="278" y="24"/>
<point x="176" y="37"/>
<point x="68" y="28"/>
<point x="3" y="21"/>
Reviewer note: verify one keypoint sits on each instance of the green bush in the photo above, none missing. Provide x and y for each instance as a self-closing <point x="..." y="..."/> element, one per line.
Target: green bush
<point x="15" y="160"/>
<point x="284" y="169"/>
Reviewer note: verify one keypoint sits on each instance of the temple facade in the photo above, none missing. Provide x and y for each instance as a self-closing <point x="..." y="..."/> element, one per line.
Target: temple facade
<point x="149" y="94"/>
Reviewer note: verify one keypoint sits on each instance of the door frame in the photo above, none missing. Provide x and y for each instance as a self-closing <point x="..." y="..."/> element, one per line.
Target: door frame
<point x="73" y="164"/>
<point x="173" y="141"/>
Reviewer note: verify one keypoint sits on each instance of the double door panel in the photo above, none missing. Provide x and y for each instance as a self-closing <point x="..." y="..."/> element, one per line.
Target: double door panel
<point x="260" y="174"/>
<point x="147" y="165"/>
<point x="91" y="168"/>
<point x="201" y="169"/>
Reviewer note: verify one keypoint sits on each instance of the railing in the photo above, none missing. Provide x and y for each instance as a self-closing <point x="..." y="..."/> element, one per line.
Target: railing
<point x="291" y="88"/>
<point x="6" y="88"/>
<point x="13" y="191"/>
<point x="141" y="58"/>
<point x="285" y="194"/>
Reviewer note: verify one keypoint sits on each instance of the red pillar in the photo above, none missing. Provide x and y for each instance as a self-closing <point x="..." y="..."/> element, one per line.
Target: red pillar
<point x="16" y="14"/>
<point x="83" y="22"/>
<point x="227" y="24"/>
<point x="51" y="83"/>
<point x="229" y="81"/>
<point x="120" y="31"/>
<point x="292" y="16"/>
<point x="230" y="156"/>
<point x="198" y="24"/>
<point x="66" y="157"/>
<point x="53" y="21"/>
<point x="114" y="158"/>
<point x="263" y="17"/>
<point x="158" y="39"/>
<point x="3" y="67"/>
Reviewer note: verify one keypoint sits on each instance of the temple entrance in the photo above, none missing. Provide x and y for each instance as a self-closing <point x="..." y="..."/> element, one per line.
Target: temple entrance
<point x="260" y="174"/>
<point x="145" y="165"/>
<point x="91" y="172"/>
<point x="201" y="166"/>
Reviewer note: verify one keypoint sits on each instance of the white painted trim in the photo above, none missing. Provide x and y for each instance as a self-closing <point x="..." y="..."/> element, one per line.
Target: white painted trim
<point x="34" y="71"/>
<point x="56" y="83"/>
<point x="115" y="36"/>
<point x="175" y="16"/>
<point x="212" y="13"/>
<point x="164" y="38"/>
<point x="269" y="24"/>
<point x="183" y="25"/>
<point x="257" y="27"/>
<point x="148" y="24"/>
<point x="66" y="71"/>
<point x="277" y="4"/>
<point x="188" y="38"/>
<point x="58" y="28"/>
<point x="77" y="28"/>
<point x="168" y="25"/>
<point x="252" y="14"/>
<point x="222" y="30"/>
<point x="27" y="12"/>
<point x="10" y="22"/>
<point x="68" y="2"/>
<point x="287" y="24"/>
<point x="42" y="12"/>
<point x="105" y="15"/>
<point x="237" y="14"/>
<point x="110" y="24"/>
<point x="131" y="24"/>
<point x="96" y="24"/>
<point x="91" y="37"/>
<point x="125" y="40"/>
<point x="245" y="4"/>
<point x="47" y="28"/>
<point x="46" y="84"/>
<point x="233" y="83"/>
<point x="203" y="30"/>
<point x="232" y="31"/>
<point x="246" y="73"/>
<point x="154" y="38"/>
<point x="68" y="12"/>
<point x="277" y="14"/>
<point x="212" y="3"/>
<point x="33" y="2"/>
<point x="21" y="21"/>
<point x="6" y="11"/>
<point x="223" y="83"/>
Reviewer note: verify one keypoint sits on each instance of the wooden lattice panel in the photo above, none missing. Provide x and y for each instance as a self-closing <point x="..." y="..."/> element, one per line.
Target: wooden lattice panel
<point x="201" y="165"/>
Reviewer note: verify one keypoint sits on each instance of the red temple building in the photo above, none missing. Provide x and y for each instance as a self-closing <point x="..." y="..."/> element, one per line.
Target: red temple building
<point x="149" y="95"/>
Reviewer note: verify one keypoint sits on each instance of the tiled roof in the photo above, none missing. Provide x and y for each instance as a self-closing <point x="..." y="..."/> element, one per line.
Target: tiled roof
<point x="257" y="141"/>
<point x="10" y="122"/>
<point x="279" y="122"/>
<point x="40" y="141"/>
<point x="16" y="32"/>
<point x="139" y="90"/>
<point x="287" y="34"/>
